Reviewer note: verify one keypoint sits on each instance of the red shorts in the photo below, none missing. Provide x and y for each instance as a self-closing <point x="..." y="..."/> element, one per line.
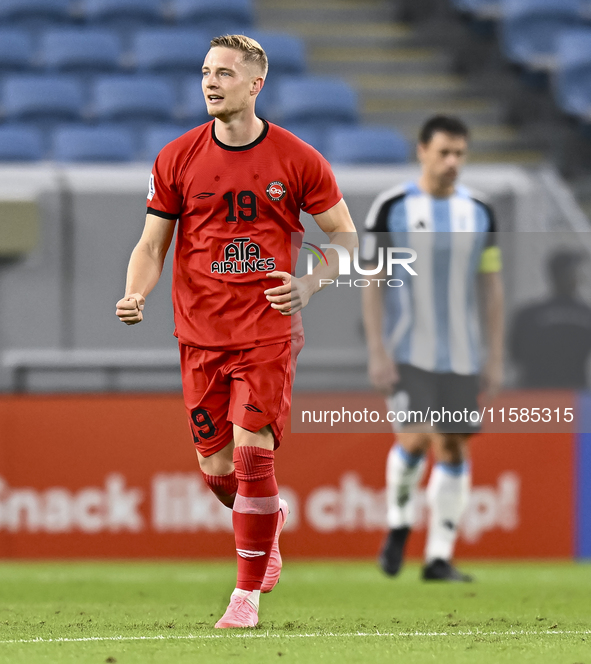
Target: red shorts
<point x="250" y="388"/>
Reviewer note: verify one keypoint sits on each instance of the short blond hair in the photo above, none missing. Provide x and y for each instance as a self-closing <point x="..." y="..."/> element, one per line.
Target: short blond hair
<point x="251" y="50"/>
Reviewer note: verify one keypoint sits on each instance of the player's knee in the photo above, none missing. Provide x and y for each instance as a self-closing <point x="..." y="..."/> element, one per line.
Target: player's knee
<point x="453" y="448"/>
<point x="263" y="438"/>
<point x="216" y="464"/>
<point x="415" y="442"/>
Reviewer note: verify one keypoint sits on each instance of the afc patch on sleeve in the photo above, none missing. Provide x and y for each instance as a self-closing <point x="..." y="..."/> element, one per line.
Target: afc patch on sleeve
<point x="151" y="188"/>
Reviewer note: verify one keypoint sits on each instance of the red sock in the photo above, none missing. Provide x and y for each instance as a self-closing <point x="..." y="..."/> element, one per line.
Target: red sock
<point x="223" y="486"/>
<point x="255" y="514"/>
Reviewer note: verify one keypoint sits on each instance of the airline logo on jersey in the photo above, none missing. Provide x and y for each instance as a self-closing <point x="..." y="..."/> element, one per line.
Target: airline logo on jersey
<point x="276" y="191"/>
<point x="242" y="256"/>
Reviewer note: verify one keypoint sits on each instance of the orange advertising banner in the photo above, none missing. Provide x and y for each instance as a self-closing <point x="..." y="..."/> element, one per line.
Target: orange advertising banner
<point x="116" y="476"/>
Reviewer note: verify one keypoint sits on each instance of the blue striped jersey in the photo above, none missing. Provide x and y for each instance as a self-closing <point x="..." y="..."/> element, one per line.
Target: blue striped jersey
<point x="431" y="322"/>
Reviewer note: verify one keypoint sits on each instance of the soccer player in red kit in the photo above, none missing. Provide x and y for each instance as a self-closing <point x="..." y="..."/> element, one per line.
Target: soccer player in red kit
<point x="236" y="185"/>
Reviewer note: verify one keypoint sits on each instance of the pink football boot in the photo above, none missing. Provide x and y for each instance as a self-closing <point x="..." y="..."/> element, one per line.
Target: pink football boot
<point x="274" y="566"/>
<point x="240" y="613"/>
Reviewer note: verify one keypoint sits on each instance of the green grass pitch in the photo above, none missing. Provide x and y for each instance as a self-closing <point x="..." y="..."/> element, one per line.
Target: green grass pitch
<point x="132" y="613"/>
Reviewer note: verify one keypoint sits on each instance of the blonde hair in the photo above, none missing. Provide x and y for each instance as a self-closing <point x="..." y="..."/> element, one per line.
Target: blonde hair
<point x="252" y="51"/>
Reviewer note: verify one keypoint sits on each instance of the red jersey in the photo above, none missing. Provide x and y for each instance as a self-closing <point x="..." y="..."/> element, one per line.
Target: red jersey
<point x="237" y="209"/>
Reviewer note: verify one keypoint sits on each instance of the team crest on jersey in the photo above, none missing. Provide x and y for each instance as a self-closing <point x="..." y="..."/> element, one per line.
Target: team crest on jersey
<point x="276" y="191"/>
<point x="242" y="256"/>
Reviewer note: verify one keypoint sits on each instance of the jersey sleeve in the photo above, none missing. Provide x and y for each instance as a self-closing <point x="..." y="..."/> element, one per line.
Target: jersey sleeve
<point x="376" y="232"/>
<point x="490" y="259"/>
<point x="164" y="199"/>
<point x="320" y="190"/>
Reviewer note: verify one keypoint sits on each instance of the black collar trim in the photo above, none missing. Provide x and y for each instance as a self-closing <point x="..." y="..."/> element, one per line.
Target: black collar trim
<point x="240" y="148"/>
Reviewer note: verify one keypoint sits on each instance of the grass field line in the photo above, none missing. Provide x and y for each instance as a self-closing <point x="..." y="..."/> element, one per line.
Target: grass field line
<point x="313" y="635"/>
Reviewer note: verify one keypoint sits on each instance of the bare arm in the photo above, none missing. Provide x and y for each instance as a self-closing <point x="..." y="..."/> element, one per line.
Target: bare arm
<point x="145" y="267"/>
<point x="492" y="284"/>
<point x="381" y="367"/>
<point x="294" y="294"/>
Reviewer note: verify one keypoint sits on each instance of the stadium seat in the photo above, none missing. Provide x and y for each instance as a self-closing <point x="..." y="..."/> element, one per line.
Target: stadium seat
<point x="171" y="50"/>
<point x="92" y="144"/>
<point x="121" y="97"/>
<point x="264" y="103"/>
<point x="123" y="11"/>
<point x="72" y="49"/>
<point x="315" y="99"/>
<point x="19" y="11"/>
<point x="28" y="97"/>
<point x="214" y="15"/>
<point x="529" y="29"/>
<point x="572" y="82"/>
<point x="193" y="105"/>
<point x="158" y="136"/>
<point x="286" y="53"/>
<point x="20" y="143"/>
<point x="287" y="57"/>
<point x="366" y="145"/>
<point x="310" y="133"/>
<point x="16" y="50"/>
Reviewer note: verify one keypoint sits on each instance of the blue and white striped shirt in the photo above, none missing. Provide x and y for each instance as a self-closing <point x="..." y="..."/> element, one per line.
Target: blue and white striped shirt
<point x="432" y="321"/>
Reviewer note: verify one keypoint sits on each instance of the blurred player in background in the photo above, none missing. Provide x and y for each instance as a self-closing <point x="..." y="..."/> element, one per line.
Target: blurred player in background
<point x="237" y="185"/>
<point x="423" y="338"/>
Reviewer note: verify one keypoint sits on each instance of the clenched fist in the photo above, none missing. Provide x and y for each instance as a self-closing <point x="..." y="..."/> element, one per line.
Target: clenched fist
<point x="129" y="309"/>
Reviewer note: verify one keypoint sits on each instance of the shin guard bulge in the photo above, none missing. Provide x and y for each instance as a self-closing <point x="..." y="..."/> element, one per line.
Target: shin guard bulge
<point x="223" y="486"/>
<point x="254" y="514"/>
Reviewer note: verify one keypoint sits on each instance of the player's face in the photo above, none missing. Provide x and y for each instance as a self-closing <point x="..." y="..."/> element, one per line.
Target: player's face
<point x="229" y="85"/>
<point x="443" y="157"/>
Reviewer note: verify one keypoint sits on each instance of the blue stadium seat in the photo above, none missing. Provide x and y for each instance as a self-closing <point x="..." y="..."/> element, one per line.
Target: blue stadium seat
<point x="172" y="50"/>
<point x="120" y="97"/>
<point x="72" y="49"/>
<point x="214" y="14"/>
<point x="287" y="57"/>
<point x="310" y="133"/>
<point x="16" y="50"/>
<point x="99" y="143"/>
<point x="194" y="109"/>
<point x="366" y="145"/>
<point x="286" y="53"/>
<point x="123" y="11"/>
<point x="17" y="11"/>
<point x="315" y="99"/>
<point x="530" y="29"/>
<point x="20" y="142"/>
<point x="28" y="97"/>
<point x="265" y="100"/>
<point x="158" y="136"/>
<point x="572" y="81"/>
